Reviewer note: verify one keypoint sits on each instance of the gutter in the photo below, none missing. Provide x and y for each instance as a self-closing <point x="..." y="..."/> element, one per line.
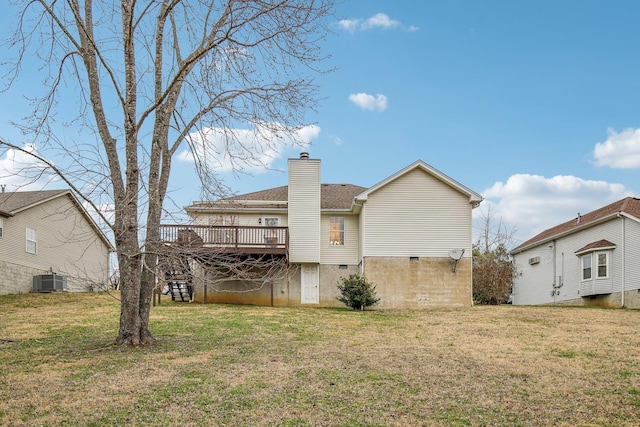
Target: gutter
<point x="566" y="233"/>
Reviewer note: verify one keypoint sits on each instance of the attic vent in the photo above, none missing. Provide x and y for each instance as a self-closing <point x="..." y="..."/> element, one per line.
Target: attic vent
<point x="49" y="283"/>
<point x="534" y="260"/>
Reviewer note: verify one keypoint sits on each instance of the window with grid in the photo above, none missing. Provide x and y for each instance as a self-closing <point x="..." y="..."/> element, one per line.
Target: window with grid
<point x="336" y="230"/>
<point x="603" y="265"/>
<point x="586" y="267"/>
<point x="32" y="241"/>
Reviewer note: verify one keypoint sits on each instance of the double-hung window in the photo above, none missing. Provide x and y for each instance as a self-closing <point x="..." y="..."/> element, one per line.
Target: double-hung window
<point x="601" y="268"/>
<point x="336" y="230"/>
<point x="32" y="241"/>
<point x="603" y="265"/>
<point x="586" y="267"/>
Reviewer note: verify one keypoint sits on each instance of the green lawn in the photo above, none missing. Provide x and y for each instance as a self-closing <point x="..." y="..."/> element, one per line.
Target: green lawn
<point x="261" y="366"/>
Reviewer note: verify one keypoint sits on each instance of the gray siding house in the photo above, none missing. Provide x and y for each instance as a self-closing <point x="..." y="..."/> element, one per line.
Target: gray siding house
<point x="593" y="259"/>
<point x="397" y="233"/>
<point x="47" y="233"/>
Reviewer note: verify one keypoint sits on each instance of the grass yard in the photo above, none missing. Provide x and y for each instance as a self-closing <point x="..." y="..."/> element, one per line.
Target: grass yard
<point x="258" y="366"/>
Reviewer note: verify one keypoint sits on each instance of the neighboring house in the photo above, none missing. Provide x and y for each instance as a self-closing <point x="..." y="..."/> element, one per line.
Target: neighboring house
<point x="49" y="233"/>
<point x="398" y="234"/>
<point x="593" y="259"/>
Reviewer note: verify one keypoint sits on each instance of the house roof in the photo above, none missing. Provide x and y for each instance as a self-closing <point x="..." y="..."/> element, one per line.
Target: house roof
<point x="14" y="202"/>
<point x="596" y="245"/>
<point x="628" y="205"/>
<point x="332" y="196"/>
<point x="474" y="197"/>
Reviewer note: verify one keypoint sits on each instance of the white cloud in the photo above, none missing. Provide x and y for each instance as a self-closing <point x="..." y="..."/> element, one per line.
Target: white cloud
<point x="349" y="24"/>
<point x="248" y="150"/>
<point x="620" y="150"/>
<point x="531" y="204"/>
<point x="20" y="171"/>
<point x="369" y="102"/>
<point x="379" y="20"/>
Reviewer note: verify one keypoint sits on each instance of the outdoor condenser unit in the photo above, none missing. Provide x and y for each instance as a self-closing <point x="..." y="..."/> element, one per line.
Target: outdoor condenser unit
<point x="49" y="283"/>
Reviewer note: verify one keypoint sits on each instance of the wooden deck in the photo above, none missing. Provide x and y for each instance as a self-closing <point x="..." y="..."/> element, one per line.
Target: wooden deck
<point x="228" y="239"/>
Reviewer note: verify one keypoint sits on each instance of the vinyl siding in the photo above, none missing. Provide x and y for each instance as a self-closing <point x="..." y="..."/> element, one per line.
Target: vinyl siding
<point x="243" y="219"/>
<point x="632" y="254"/>
<point x="347" y="254"/>
<point x="535" y="282"/>
<point x="66" y="242"/>
<point x="534" y="285"/>
<point x="416" y="215"/>
<point x="304" y="211"/>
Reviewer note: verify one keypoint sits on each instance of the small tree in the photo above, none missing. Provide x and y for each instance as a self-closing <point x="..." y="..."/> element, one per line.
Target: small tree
<point x="493" y="267"/>
<point x="357" y="293"/>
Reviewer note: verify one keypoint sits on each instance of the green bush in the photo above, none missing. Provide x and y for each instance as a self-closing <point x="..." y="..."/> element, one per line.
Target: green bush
<point x="357" y="293"/>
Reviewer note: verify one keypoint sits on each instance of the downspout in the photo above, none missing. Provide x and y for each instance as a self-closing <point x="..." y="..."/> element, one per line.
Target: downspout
<point x="623" y="256"/>
<point x="555" y="271"/>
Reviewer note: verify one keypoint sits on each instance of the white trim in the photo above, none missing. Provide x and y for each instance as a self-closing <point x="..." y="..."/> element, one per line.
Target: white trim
<point x="583" y="267"/>
<point x="474" y="197"/>
<point x="607" y="264"/>
<point x="31" y="235"/>
<point x="341" y="231"/>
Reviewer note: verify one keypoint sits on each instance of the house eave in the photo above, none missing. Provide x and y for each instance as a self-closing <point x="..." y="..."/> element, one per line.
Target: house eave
<point x="601" y="248"/>
<point x="474" y="198"/>
<point x="568" y="232"/>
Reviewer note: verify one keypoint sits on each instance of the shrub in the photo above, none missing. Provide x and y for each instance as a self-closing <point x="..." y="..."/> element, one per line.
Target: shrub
<point x="357" y="293"/>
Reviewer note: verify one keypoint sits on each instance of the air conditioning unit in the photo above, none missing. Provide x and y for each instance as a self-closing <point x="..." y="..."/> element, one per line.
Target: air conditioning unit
<point x="49" y="283"/>
<point x="534" y="260"/>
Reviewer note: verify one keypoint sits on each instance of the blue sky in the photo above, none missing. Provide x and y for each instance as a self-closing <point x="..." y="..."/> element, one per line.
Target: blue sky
<point x="533" y="104"/>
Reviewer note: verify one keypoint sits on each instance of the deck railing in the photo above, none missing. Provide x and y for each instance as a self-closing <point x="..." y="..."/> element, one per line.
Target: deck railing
<point x="227" y="236"/>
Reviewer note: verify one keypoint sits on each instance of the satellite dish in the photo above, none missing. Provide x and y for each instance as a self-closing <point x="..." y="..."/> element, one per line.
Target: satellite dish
<point x="456" y="254"/>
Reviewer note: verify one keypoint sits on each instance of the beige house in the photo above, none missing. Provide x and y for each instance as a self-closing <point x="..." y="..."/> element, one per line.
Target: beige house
<point x="593" y="259"/>
<point x="50" y="236"/>
<point x="410" y="235"/>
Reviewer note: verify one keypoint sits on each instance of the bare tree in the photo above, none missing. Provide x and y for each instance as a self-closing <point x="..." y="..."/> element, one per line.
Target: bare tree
<point x="493" y="268"/>
<point x="148" y="76"/>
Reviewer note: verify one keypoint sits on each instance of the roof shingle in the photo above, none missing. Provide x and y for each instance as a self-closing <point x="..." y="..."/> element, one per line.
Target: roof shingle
<point x="332" y="196"/>
<point x="628" y="205"/>
<point x="15" y="201"/>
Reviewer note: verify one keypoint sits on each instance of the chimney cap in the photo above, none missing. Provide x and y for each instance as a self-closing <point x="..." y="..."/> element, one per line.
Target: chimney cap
<point x="304" y="155"/>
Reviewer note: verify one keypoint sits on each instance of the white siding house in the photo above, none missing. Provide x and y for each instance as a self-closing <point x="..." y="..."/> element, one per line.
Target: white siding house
<point x="397" y="233"/>
<point x="593" y="259"/>
<point x="47" y="233"/>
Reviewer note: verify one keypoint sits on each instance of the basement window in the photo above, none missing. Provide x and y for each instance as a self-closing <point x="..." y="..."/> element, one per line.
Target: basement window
<point x="342" y="266"/>
<point x="414" y="259"/>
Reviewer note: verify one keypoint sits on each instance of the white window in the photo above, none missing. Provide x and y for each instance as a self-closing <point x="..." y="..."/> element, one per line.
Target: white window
<point x="270" y="222"/>
<point x="336" y="230"/>
<point x="223" y="220"/>
<point x="1" y="227"/>
<point x="32" y="241"/>
<point x="601" y="268"/>
<point x="586" y="267"/>
<point x="603" y="265"/>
